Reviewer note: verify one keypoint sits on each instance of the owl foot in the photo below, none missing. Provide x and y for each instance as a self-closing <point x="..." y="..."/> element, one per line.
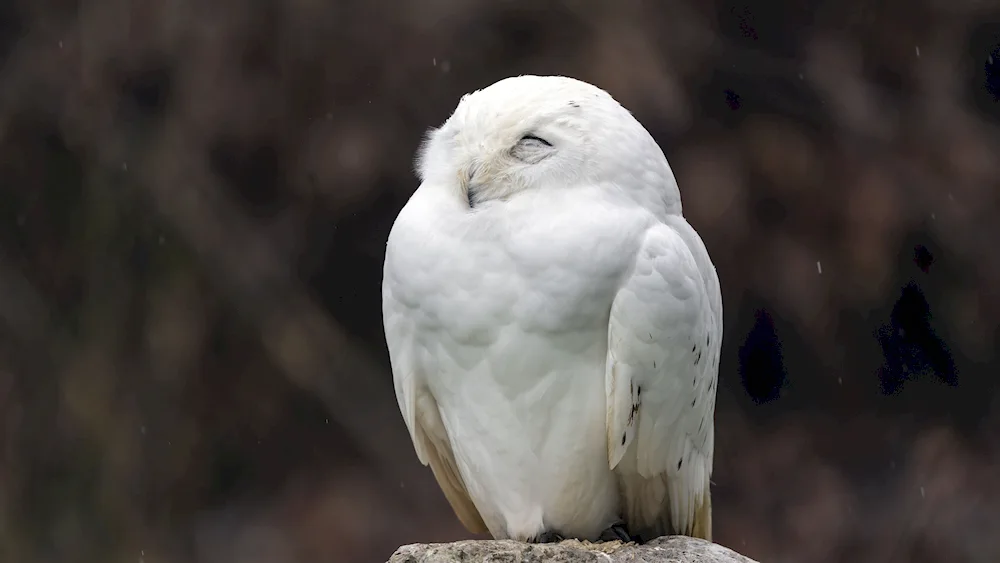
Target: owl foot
<point x="617" y="532"/>
<point x="549" y="537"/>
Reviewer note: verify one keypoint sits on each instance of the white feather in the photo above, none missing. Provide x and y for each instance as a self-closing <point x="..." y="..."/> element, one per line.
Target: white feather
<point x="664" y="342"/>
<point x="530" y="283"/>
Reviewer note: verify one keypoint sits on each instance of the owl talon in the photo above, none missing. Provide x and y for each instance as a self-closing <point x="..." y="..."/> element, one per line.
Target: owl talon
<point x="549" y="537"/>
<point x="617" y="532"/>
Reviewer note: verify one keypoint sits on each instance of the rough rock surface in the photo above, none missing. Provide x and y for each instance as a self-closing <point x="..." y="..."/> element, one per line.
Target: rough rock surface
<point x="667" y="549"/>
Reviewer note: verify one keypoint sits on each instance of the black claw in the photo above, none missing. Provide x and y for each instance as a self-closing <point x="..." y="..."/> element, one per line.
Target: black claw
<point x="617" y="532"/>
<point x="549" y="537"/>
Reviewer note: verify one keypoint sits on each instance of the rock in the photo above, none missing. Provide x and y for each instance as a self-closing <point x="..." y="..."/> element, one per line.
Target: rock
<point x="667" y="549"/>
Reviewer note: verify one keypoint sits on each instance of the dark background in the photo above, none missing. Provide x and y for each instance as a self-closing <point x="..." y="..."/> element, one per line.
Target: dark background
<point x="195" y="196"/>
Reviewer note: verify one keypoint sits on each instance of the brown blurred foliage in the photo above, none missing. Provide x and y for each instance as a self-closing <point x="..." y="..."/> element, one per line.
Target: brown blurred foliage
<point x="194" y="198"/>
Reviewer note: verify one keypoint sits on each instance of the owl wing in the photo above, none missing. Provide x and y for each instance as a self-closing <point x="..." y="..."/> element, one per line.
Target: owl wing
<point x="664" y="342"/>
<point x="422" y="417"/>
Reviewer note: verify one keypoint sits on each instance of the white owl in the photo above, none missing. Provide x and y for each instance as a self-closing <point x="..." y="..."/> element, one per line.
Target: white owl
<point x="554" y="323"/>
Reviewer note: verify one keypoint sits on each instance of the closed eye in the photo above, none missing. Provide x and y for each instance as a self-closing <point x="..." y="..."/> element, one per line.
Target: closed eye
<point x="532" y="149"/>
<point x="530" y="137"/>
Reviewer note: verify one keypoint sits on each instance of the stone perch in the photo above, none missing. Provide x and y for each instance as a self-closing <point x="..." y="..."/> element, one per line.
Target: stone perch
<point x="667" y="549"/>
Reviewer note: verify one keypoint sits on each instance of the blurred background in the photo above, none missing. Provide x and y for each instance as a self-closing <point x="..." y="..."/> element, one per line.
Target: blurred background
<point x="195" y="197"/>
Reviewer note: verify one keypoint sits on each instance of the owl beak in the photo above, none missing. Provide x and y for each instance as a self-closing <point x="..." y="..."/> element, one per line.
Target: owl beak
<point x="471" y="186"/>
<point x="474" y="196"/>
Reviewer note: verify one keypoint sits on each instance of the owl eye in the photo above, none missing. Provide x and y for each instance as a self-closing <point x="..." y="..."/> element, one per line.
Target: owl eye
<point x="535" y="139"/>
<point x="532" y="149"/>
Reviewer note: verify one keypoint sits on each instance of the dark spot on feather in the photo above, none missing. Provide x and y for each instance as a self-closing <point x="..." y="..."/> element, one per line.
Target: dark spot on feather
<point x="633" y="412"/>
<point x="693" y="401"/>
<point x="623" y="439"/>
<point x="574" y="105"/>
<point x="650" y="336"/>
<point x="639" y="390"/>
<point x="698" y="359"/>
<point x="694" y="347"/>
<point x="654" y="364"/>
<point x="708" y="340"/>
<point x="680" y="462"/>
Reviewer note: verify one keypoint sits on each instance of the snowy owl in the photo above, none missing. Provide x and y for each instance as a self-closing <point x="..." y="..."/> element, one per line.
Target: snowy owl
<point x="554" y="324"/>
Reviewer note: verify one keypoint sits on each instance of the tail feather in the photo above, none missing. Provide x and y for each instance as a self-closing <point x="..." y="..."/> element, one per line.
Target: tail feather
<point x="650" y="512"/>
<point x="702" y="527"/>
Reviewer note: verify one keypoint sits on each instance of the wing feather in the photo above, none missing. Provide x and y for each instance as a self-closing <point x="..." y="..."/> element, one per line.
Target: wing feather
<point x="423" y="421"/>
<point x="664" y="342"/>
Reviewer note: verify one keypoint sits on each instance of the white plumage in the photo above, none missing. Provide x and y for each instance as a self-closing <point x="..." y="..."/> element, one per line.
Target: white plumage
<point x="554" y="323"/>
